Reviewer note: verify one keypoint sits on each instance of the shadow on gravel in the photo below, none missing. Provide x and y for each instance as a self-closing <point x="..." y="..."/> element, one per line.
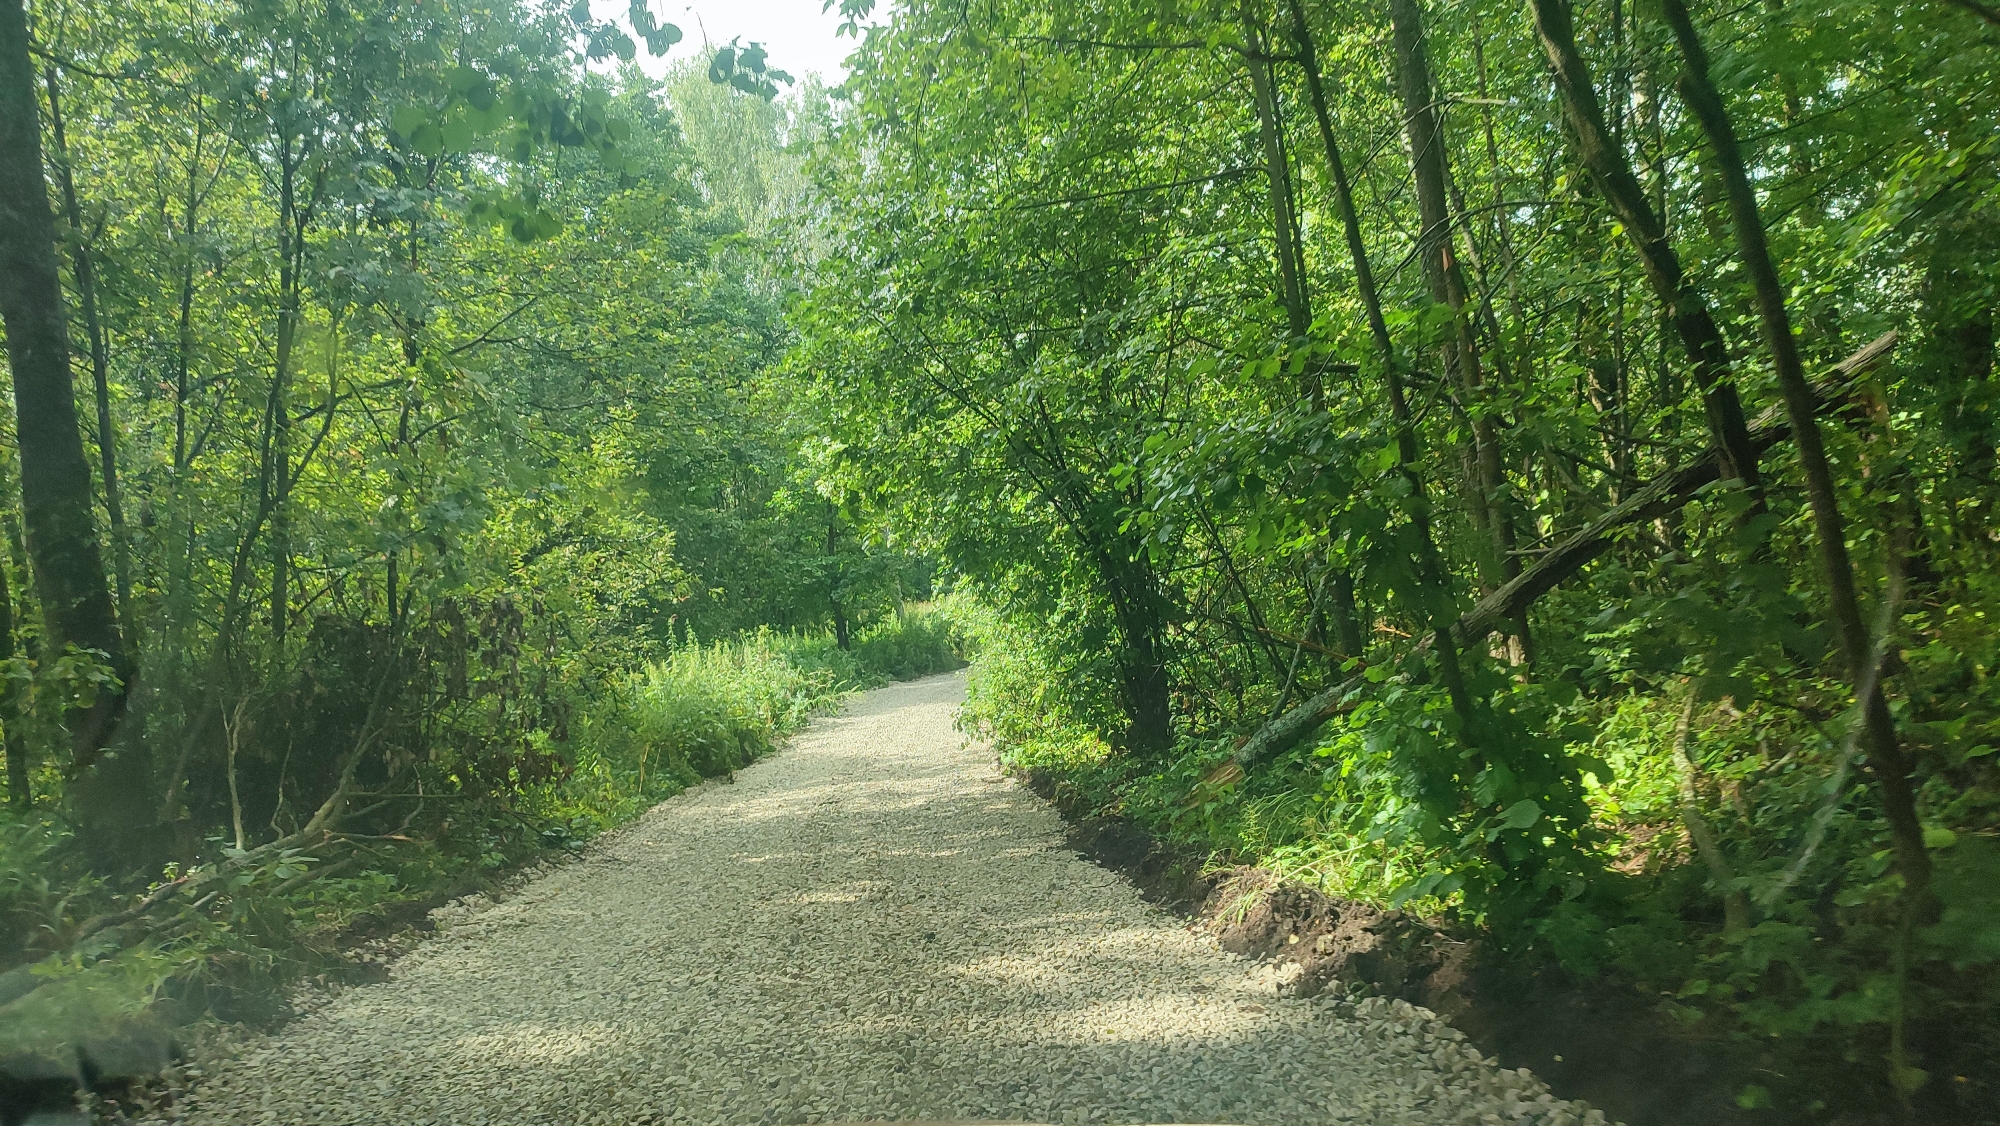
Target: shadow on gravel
<point x="1599" y="1046"/>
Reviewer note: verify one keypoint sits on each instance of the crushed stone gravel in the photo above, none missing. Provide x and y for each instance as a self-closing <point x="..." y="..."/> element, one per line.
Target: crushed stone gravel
<point x="873" y="923"/>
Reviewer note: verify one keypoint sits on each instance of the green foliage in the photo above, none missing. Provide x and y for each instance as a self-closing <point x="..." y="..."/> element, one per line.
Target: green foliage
<point x="45" y="890"/>
<point x="916" y="644"/>
<point x="700" y="711"/>
<point x="418" y="518"/>
<point x="709" y="709"/>
<point x="1096" y="334"/>
<point x="432" y="515"/>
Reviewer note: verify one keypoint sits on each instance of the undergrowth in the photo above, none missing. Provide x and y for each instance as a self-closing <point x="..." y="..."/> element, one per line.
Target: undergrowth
<point x="1808" y="987"/>
<point x="700" y="710"/>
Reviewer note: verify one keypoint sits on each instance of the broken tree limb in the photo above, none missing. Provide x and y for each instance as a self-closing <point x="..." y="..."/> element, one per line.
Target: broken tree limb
<point x="1288" y="730"/>
<point x="1664" y="494"/>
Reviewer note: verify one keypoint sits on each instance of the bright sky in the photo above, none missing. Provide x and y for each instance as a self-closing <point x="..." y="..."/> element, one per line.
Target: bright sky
<point x="799" y="36"/>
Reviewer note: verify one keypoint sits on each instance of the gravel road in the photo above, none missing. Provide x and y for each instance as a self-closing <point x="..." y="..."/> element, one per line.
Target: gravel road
<point x="871" y="924"/>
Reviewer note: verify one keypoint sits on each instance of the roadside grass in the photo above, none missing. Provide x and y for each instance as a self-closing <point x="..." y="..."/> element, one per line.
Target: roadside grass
<point x="702" y="710"/>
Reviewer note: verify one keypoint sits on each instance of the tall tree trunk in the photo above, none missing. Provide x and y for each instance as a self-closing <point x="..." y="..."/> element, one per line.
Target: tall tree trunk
<point x="1346" y="615"/>
<point x="1611" y="172"/>
<point x="1145" y="689"/>
<point x="1503" y="224"/>
<point x="841" y="635"/>
<point x="291" y="239"/>
<point x="18" y="793"/>
<point x="1298" y="312"/>
<point x="178" y="594"/>
<point x="55" y="476"/>
<point x="1436" y="249"/>
<point x="1887" y="758"/>
<point x="1431" y="570"/>
<point x="83" y="270"/>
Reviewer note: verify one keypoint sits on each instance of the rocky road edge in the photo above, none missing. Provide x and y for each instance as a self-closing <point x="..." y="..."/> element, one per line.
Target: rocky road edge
<point x="147" y="1072"/>
<point x="1593" y="1043"/>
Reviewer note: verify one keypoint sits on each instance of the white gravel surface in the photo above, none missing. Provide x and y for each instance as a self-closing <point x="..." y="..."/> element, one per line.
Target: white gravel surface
<point x="871" y="924"/>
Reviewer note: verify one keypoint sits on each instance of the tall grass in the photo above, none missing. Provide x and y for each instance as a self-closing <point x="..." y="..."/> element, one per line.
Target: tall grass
<point x="707" y="709"/>
<point x="710" y="708"/>
<point x="919" y="643"/>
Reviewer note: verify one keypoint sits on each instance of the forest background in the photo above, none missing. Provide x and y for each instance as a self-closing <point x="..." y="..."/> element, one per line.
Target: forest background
<point x="1529" y="465"/>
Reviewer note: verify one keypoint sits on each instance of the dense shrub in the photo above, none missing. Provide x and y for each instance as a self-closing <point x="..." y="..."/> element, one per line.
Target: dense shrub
<point x="912" y="645"/>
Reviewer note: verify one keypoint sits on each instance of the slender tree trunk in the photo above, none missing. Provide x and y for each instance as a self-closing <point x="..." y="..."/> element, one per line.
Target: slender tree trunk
<point x="1887" y="758"/>
<point x="291" y="237"/>
<point x="18" y="793"/>
<point x="1489" y="319"/>
<point x="1298" y="313"/>
<point x="179" y="594"/>
<point x="1291" y="265"/>
<point x="1503" y="224"/>
<point x="1491" y="511"/>
<point x="1346" y="615"/>
<point x="1437" y="252"/>
<point x="83" y="270"/>
<point x="55" y="475"/>
<point x="1144" y="686"/>
<point x="1436" y="577"/>
<point x="841" y="635"/>
<point x="1609" y="170"/>
<point x="394" y="569"/>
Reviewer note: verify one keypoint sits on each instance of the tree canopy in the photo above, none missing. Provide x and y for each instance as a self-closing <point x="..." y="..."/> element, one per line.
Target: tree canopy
<point x="1529" y="464"/>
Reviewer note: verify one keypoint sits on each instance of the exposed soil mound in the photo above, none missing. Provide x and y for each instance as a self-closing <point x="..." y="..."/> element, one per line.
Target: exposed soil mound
<point x="1337" y="943"/>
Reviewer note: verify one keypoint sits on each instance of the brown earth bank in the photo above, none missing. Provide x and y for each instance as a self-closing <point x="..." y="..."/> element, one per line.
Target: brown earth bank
<point x="1587" y="1041"/>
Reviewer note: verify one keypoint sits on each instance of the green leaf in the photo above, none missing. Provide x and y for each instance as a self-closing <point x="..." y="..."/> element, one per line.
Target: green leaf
<point x="661" y="41"/>
<point x="428" y="140"/>
<point x="1522" y="814"/>
<point x="1753" y="1097"/>
<point x="722" y="66"/>
<point x="458" y="135"/>
<point x="408" y="119"/>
